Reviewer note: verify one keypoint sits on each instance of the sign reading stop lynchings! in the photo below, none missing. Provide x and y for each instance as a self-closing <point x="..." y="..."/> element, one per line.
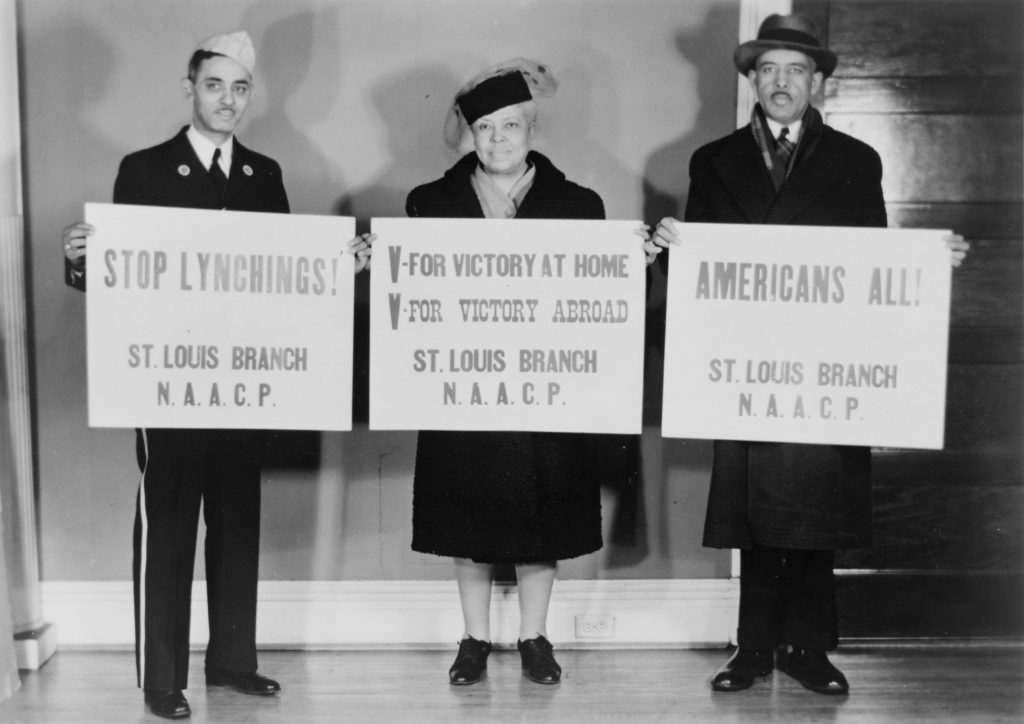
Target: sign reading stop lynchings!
<point x="483" y="324"/>
<point x="218" y="319"/>
<point x="807" y="334"/>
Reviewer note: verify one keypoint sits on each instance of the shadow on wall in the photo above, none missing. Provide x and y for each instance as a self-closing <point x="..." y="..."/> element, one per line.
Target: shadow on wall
<point x="569" y="144"/>
<point x="567" y="139"/>
<point x="82" y="87"/>
<point x="665" y="185"/>
<point x="57" y="352"/>
<point x="416" y="154"/>
<point x="286" y="75"/>
<point x="284" y="65"/>
<point x="385" y="195"/>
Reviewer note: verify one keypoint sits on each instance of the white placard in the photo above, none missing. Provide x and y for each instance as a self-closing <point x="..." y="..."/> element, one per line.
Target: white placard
<point x="807" y="334"/>
<point x="507" y="325"/>
<point x="218" y="319"/>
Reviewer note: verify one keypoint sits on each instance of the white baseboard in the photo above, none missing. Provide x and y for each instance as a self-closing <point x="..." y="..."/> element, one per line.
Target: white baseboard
<point x="32" y="649"/>
<point x="420" y="614"/>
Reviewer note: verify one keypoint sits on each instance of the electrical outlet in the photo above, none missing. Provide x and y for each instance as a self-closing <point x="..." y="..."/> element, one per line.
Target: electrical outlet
<point x="594" y="625"/>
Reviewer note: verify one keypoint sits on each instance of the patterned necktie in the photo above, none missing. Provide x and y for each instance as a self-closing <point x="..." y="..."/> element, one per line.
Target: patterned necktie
<point x="217" y="173"/>
<point x="784" y="147"/>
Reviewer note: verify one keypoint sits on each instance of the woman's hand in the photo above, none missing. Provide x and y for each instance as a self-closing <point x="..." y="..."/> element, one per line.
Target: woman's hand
<point x="362" y="247"/>
<point x="73" y="241"/>
<point x="644" y="232"/>
<point x="663" y="237"/>
<point x="957" y="249"/>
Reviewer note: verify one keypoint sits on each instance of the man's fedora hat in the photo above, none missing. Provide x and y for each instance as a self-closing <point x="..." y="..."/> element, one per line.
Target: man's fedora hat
<point x="786" y="32"/>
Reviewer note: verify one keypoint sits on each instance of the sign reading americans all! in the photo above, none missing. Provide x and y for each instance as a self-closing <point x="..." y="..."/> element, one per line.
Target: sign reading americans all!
<point x="807" y="334"/>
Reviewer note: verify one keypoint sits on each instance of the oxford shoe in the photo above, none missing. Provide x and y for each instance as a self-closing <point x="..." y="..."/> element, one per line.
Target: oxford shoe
<point x="244" y="683"/>
<point x="167" y="704"/>
<point x="813" y="670"/>
<point x="742" y="668"/>
<point x="538" y="657"/>
<point x="471" y="661"/>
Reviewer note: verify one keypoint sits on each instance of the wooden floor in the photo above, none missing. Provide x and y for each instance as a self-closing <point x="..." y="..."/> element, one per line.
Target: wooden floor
<point x="889" y="683"/>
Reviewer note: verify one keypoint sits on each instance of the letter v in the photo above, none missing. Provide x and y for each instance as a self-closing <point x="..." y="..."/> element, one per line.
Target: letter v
<point x="394" y="303"/>
<point x="395" y="253"/>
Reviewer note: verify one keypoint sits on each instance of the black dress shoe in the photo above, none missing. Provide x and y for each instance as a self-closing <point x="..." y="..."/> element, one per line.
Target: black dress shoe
<point x="539" y="663"/>
<point x="167" y="704"/>
<point x="741" y="669"/>
<point x="247" y="683"/>
<point x="813" y="670"/>
<point x="471" y="661"/>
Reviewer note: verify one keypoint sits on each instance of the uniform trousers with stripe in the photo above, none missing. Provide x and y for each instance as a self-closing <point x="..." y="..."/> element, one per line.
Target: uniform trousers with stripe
<point x="787" y="596"/>
<point x="182" y="469"/>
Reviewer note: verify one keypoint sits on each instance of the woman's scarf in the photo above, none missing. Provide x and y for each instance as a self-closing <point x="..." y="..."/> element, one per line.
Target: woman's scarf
<point x="494" y="202"/>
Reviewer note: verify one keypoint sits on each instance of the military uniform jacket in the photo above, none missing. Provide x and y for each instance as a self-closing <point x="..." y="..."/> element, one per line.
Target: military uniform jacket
<point x="779" y="494"/>
<point x="170" y="174"/>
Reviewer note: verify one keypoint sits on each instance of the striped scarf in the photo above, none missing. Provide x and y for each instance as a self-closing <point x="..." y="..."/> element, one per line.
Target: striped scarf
<point x="762" y="135"/>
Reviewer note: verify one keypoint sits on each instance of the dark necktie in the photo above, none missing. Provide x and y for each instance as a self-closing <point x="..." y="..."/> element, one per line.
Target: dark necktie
<point x="784" y="147"/>
<point x="217" y="173"/>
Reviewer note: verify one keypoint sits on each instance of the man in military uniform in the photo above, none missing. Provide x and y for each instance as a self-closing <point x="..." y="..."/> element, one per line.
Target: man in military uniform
<point x="204" y="167"/>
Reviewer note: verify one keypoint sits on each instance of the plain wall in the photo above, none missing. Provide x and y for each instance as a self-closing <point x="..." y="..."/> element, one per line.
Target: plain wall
<point x="350" y="99"/>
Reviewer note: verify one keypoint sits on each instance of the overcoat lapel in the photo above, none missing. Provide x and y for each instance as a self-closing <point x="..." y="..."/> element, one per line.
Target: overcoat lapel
<point x="460" y="194"/>
<point x="813" y="175"/>
<point x="744" y="176"/>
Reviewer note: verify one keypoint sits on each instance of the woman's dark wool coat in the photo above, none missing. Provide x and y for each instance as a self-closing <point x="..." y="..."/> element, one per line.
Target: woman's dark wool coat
<point x="506" y="497"/>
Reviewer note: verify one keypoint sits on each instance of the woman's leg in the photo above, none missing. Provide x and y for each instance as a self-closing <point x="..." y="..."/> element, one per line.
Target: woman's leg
<point x="534" y="582"/>
<point x="475" y="594"/>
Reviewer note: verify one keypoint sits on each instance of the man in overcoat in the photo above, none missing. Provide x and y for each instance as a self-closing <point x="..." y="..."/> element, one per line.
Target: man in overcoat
<point x="787" y="507"/>
<point x="203" y="167"/>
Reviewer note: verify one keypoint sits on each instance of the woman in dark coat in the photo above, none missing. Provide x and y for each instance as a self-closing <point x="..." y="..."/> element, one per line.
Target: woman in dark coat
<point x="523" y="498"/>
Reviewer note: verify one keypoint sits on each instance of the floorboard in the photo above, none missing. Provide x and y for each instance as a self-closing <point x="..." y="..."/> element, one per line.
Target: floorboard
<point x="889" y="683"/>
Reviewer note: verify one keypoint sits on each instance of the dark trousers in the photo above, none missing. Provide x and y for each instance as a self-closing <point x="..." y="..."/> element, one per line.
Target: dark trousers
<point x="787" y="597"/>
<point x="180" y="470"/>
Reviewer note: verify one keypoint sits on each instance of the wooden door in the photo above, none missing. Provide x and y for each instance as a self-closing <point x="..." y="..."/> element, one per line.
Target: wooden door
<point x="935" y="87"/>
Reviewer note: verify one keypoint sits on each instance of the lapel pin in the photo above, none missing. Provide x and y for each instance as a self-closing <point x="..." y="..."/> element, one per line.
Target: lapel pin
<point x="247" y="169"/>
<point x="184" y="170"/>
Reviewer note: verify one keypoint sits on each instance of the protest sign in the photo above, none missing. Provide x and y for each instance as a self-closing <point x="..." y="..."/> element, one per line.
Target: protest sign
<point x="506" y="325"/>
<point x="807" y="334"/>
<point x="218" y="319"/>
